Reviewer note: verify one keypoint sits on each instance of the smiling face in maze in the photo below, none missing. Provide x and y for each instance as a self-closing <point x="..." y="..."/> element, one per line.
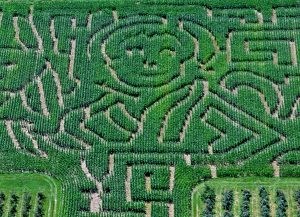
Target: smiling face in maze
<point x="149" y="55"/>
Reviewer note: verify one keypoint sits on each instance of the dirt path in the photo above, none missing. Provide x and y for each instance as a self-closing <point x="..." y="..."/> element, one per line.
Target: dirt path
<point x="172" y="178"/>
<point x="164" y="21"/>
<point x="192" y="111"/>
<point x="115" y="16"/>
<point x="274" y="17"/>
<point x="275" y="58"/>
<point x="171" y="210"/>
<point x="294" y="109"/>
<point x="89" y="22"/>
<point x="11" y="134"/>
<point x="276" y="168"/>
<point x="167" y="116"/>
<point x="180" y="25"/>
<point x="187" y="159"/>
<point x="17" y="33"/>
<point x="24" y="101"/>
<point x="96" y="202"/>
<point x="25" y="130"/>
<point x="293" y="52"/>
<point x="228" y="47"/>
<point x="260" y="17"/>
<point x="42" y="96"/>
<point x="57" y="84"/>
<point x="35" y="32"/>
<point x="148" y="209"/>
<point x="73" y="23"/>
<point x="148" y="183"/>
<point x="213" y="171"/>
<point x="209" y="12"/>
<point x="127" y="183"/>
<point x="53" y="36"/>
<point x="1" y="16"/>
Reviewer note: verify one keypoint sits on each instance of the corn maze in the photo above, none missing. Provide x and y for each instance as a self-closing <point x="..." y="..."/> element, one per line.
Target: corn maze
<point x="130" y="105"/>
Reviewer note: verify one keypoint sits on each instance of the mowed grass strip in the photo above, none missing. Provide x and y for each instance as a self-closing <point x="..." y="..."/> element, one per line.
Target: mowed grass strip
<point x="287" y="185"/>
<point x="19" y="184"/>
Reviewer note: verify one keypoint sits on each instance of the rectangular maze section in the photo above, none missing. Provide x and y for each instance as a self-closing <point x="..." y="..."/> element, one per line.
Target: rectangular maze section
<point x="28" y="195"/>
<point x="247" y="197"/>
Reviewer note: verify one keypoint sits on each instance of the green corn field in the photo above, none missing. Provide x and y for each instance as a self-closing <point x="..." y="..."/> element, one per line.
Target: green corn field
<point x="150" y="108"/>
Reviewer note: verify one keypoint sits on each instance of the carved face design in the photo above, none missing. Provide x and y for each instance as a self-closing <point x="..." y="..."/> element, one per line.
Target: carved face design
<point x="153" y="52"/>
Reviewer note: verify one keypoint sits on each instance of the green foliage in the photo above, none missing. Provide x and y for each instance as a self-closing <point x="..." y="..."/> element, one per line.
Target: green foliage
<point x="2" y="202"/>
<point x="209" y="198"/>
<point x="297" y="199"/>
<point x="227" y="203"/>
<point x="14" y="200"/>
<point x="264" y="202"/>
<point x="26" y="204"/>
<point x="247" y="196"/>
<point x="130" y="102"/>
<point x="24" y="194"/>
<point x="281" y="204"/>
<point x="39" y="211"/>
<point x="245" y="207"/>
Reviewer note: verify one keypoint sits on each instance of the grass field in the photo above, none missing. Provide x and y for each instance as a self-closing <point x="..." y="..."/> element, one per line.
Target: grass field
<point x="287" y="185"/>
<point x="131" y="104"/>
<point x="19" y="184"/>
